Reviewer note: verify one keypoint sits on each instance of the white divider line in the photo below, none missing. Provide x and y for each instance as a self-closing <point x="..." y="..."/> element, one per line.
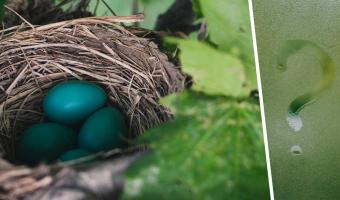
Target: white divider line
<point x="252" y="22"/>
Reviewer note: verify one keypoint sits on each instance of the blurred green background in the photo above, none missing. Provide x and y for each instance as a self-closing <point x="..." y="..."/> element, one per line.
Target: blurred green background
<point x="213" y="149"/>
<point x="313" y="174"/>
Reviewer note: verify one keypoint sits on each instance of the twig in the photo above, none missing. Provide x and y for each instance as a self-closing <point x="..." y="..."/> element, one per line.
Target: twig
<point x="96" y="7"/>
<point x="135" y="10"/>
<point x="23" y="19"/>
<point x="108" y="7"/>
<point x="94" y="20"/>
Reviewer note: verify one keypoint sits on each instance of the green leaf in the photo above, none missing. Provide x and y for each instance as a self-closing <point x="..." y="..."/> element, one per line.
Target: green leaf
<point x="119" y="7"/>
<point x="153" y="8"/>
<point x="214" y="72"/>
<point x="229" y="28"/>
<point x="212" y="150"/>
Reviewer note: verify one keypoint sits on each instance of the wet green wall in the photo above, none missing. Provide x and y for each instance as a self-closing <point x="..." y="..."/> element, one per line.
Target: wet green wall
<point x="314" y="172"/>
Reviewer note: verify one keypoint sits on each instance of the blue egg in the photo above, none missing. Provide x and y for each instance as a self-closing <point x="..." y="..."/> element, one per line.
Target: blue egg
<point x="74" y="154"/>
<point x="71" y="102"/>
<point x="103" y="130"/>
<point x="44" y="142"/>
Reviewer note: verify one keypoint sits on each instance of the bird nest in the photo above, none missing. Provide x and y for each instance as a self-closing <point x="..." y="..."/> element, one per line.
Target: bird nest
<point x="131" y="68"/>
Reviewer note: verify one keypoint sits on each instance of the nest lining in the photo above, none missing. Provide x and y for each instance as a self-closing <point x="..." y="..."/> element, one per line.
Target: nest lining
<point x="132" y="70"/>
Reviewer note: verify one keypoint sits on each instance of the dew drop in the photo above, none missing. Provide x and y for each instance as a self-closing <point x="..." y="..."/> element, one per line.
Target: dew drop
<point x="295" y="122"/>
<point x="296" y="150"/>
<point x="281" y="67"/>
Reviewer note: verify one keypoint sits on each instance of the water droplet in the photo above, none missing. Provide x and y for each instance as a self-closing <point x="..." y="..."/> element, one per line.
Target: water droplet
<point x="295" y="122"/>
<point x="281" y="67"/>
<point x="296" y="150"/>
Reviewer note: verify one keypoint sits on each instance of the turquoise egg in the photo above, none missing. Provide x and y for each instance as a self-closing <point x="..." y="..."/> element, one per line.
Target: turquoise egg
<point x="74" y="154"/>
<point x="103" y="130"/>
<point x="44" y="142"/>
<point x="71" y="102"/>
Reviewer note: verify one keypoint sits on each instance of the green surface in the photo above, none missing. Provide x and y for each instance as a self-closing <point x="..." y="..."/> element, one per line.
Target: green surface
<point x="212" y="150"/>
<point x="44" y="142"/>
<point x="310" y="171"/>
<point x="103" y="130"/>
<point x="71" y="102"/>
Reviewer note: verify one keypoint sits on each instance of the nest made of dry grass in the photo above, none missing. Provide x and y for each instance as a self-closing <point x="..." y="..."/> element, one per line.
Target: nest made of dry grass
<point x="132" y="70"/>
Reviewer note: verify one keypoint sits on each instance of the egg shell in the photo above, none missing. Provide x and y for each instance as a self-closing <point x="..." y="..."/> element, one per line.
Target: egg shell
<point x="45" y="142"/>
<point x="74" y="154"/>
<point x="71" y="102"/>
<point x="104" y="130"/>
